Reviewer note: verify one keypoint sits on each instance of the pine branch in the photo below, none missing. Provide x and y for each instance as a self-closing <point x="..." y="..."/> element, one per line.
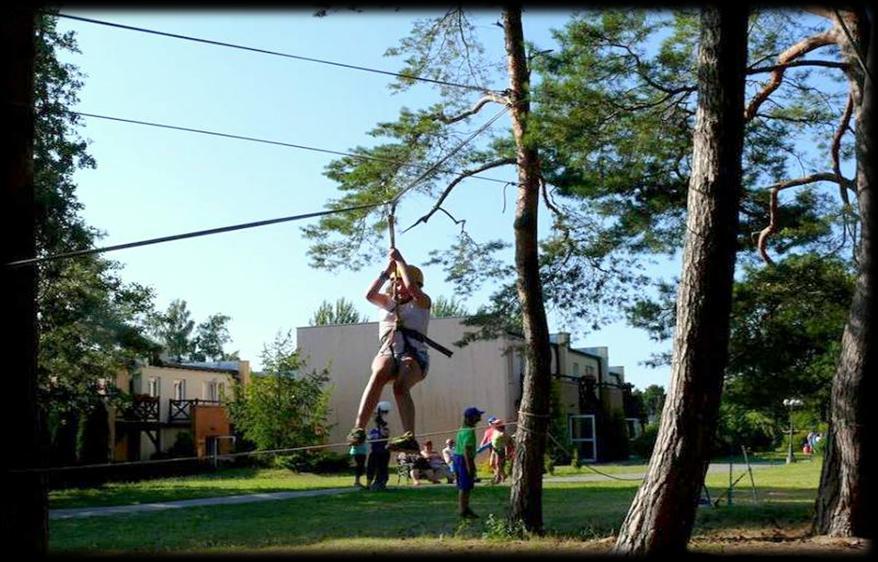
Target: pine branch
<point x="772" y="209"/>
<point x="799" y="49"/>
<point x="454" y="183"/>
<point x="486" y="99"/>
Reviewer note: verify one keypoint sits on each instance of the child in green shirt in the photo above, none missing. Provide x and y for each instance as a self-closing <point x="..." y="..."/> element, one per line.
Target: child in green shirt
<point x="465" y="460"/>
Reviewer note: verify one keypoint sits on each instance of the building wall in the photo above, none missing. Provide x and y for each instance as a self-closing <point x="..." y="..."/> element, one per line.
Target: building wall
<point x="479" y="374"/>
<point x="196" y="386"/>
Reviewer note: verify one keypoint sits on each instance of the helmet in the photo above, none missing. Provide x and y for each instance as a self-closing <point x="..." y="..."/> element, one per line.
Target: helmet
<point x="383" y="406"/>
<point x="415" y="274"/>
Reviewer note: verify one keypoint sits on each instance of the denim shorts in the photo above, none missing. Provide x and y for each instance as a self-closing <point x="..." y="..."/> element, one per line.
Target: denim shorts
<point x="420" y="356"/>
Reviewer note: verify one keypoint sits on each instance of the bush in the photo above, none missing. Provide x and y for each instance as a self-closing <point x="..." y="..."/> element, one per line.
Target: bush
<point x="318" y="462"/>
<point x="184" y="446"/>
<point x="643" y="444"/>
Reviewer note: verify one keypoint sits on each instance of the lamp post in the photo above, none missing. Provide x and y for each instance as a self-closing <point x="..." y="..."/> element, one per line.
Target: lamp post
<point x="791" y="403"/>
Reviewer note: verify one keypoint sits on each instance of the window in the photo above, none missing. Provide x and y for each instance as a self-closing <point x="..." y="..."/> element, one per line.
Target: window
<point x="180" y="389"/>
<point x="221" y="391"/>
<point x="589" y="371"/>
<point x="155" y="387"/>
<point x="211" y="391"/>
<point x="582" y="435"/>
<point x="576" y="369"/>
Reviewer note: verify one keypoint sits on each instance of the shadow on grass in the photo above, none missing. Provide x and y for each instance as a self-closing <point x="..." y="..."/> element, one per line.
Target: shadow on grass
<point x="574" y="513"/>
<point x="229" y="482"/>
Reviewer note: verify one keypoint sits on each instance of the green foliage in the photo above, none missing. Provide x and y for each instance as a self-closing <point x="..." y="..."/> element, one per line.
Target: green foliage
<point x="211" y="336"/>
<point x="316" y="462"/>
<point x="184" y="445"/>
<point x="575" y="461"/>
<point x="614" y="123"/>
<point x="91" y="325"/>
<point x="654" y="400"/>
<point x="738" y="426"/>
<point x="786" y="325"/>
<point x="342" y="312"/>
<point x="447" y="308"/>
<point x="643" y="444"/>
<point x="504" y="529"/>
<point x="173" y="328"/>
<point x="282" y="407"/>
<point x="549" y="464"/>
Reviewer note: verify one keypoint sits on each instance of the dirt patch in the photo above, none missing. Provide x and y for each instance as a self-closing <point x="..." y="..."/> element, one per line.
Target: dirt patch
<point x="776" y="541"/>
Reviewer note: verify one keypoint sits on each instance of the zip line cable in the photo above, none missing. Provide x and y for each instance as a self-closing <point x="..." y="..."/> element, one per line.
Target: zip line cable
<point x="207" y="458"/>
<point x="436" y="167"/>
<point x="218" y="230"/>
<point x="207" y="232"/>
<point x="268" y="52"/>
<point x="259" y="140"/>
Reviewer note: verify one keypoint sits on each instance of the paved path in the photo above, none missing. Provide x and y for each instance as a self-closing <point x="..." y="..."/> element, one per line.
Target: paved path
<point x="75" y="513"/>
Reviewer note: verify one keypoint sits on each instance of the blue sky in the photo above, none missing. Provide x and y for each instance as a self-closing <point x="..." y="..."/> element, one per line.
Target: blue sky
<point x="152" y="182"/>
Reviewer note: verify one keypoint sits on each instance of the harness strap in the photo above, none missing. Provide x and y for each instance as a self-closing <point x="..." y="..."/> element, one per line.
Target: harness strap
<point x="416" y="335"/>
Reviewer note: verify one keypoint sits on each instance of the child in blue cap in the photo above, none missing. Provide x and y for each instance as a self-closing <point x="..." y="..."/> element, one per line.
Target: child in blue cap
<point x="465" y="460"/>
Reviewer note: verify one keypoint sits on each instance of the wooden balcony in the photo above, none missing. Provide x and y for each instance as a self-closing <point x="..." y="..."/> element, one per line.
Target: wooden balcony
<point x="143" y="409"/>
<point x="180" y="411"/>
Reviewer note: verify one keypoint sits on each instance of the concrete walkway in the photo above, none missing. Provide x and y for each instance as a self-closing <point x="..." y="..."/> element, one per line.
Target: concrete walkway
<point x="75" y="513"/>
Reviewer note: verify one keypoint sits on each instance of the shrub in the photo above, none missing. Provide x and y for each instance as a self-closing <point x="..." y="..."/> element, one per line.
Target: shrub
<point x="643" y="444"/>
<point x="318" y="462"/>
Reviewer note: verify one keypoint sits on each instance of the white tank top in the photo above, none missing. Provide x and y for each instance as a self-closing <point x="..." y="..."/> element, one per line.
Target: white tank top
<point x="412" y="316"/>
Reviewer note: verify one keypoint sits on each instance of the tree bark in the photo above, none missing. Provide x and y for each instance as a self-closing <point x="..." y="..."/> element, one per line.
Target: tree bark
<point x="527" y="473"/>
<point x="24" y="511"/>
<point x="662" y="514"/>
<point x="842" y="498"/>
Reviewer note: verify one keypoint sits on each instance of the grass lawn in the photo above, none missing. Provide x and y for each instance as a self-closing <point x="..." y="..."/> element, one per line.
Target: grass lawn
<point x="579" y="516"/>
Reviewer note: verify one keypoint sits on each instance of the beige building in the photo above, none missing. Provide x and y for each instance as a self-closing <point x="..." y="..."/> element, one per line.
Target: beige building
<point x="485" y="373"/>
<point x="171" y="399"/>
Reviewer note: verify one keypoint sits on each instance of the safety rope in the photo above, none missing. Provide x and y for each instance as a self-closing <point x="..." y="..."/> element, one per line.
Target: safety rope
<point x="591" y="468"/>
<point x="207" y="458"/>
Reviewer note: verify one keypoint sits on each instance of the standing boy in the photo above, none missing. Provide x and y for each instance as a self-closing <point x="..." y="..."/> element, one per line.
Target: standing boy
<point x="465" y="460"/>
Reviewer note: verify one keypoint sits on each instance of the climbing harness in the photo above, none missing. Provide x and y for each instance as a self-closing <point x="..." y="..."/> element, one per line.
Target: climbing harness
<point x="404" y="331"/>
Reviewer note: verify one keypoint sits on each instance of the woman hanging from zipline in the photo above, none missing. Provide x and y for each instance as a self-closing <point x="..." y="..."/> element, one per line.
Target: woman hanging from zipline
<point x="402" y="356"/>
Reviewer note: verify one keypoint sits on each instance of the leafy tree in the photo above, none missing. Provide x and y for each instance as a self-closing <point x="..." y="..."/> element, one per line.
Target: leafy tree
<point x="342" y="312"/>
<point x="173" y="328"/>
<point x="211" y="337"/>
<point x="786" y="324"/>
<point x="91" y="323"/>
<point x="282" y="407"/>
<point x="653" y="400"/>
<point x="447" y="308"/>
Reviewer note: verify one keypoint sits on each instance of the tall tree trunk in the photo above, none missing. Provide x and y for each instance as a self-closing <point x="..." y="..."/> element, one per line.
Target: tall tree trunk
<point x="526" y="496"/>
<point x="661" y="517"/>
<point x="25" y="516"/>
<point x="842" y="500"/>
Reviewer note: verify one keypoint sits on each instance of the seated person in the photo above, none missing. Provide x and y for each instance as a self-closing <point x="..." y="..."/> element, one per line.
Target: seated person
<point x="437" y="463"/>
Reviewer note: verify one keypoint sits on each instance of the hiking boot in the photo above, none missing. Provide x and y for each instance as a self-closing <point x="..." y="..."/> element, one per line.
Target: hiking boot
<point x="406" y="442"/>
<point x="357" y="436"/>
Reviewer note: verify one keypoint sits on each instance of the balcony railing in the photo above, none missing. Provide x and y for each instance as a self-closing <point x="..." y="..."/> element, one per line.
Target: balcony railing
<point x="143" y="408"/>
<point x="181" y="410"/>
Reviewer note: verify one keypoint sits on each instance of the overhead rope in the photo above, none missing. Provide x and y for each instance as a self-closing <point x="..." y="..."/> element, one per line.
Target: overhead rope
<point x="207" y="458"/>
<point x="273" y="53"/>
<point x="258" y="140"/>
<point x="174" y="237"/>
